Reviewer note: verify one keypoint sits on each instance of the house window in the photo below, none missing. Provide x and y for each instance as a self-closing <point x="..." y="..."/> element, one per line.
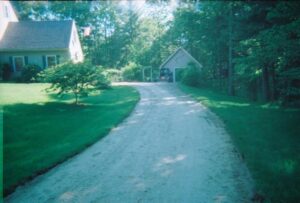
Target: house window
<point x="51" y="60"/>
<point x="18" y="63"/>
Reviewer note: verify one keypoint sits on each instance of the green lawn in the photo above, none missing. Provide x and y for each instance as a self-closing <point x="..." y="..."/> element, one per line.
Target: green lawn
<point x="42" y="130"/>
<point x="267" y="136"/>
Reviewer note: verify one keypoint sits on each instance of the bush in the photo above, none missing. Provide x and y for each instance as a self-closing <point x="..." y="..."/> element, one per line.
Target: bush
<point x="179" y="74"/>
<point x="132" y="72"/>
<point x="79" y="79"/>
<point x="29" y="73"/>
<point x="113" y="75"/>
<point x="192" y="76"/>
<point x="5" y="71"/>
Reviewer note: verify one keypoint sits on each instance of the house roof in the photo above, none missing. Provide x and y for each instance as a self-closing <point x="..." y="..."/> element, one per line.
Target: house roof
<point x="36" y="35"/>
<point x="174" y="54"/>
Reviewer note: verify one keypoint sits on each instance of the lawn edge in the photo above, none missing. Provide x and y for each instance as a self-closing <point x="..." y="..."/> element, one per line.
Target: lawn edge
<point x="223" y="124"/>
<point x="12" y="189"/>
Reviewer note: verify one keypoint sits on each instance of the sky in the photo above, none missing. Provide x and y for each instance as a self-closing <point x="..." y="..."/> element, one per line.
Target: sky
<point x="145" y="9"/>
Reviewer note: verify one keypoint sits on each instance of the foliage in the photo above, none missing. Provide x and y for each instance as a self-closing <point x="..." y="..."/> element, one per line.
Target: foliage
<point x="50" y="130"/>
<point x="5" y="71"/>
<point x="80" y="79"/>
<point x="255" y="126"/>
<point x="29" y="73"/>
<point x="179" y="74"/>
<point x="113" y="75"/>
<point x="132" y="72"/>
<point x="191" y="75"/>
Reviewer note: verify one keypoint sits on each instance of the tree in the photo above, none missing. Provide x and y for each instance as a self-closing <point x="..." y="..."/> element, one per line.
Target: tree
<point x="230" y="52"/>
<point x="79" y="79"/>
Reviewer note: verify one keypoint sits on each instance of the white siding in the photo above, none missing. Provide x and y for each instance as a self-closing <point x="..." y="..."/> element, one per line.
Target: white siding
<point x="75" y="50"/>
<point x="179" y="60"/>
<point x="7" y="14"/>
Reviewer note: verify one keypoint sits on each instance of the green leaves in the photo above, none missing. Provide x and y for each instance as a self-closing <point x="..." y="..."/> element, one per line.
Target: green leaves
<point x="79" y="79"/>
<point x="132" y="72"/>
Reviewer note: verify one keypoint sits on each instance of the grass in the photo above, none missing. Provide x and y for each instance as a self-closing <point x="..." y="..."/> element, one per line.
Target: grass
<point x="42" y="130"/>
<point x="267" y="136"/>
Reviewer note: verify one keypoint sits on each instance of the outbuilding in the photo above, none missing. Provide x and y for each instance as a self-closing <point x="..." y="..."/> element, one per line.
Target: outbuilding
<point x="179" y="59"/>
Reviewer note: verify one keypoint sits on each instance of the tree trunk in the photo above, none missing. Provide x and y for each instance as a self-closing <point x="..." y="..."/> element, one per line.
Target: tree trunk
<point x="230" y="66"/>
<point x="76" y="98"/>
<point x="272" y="85"/>
<point x="265" y="84"/>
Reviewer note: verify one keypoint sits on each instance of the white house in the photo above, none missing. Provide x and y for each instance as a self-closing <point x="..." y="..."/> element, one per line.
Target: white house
<point x="179" y="59"/>
<point x="43" y="43"/>
<point x="7" y="14"/>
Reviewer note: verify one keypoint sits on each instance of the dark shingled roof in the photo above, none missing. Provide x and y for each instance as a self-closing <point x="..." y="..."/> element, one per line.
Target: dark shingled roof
<point x="36" y="35"/>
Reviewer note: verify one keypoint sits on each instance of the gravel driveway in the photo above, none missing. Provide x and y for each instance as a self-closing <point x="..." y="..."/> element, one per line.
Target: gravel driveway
<point x="171" y="149"/>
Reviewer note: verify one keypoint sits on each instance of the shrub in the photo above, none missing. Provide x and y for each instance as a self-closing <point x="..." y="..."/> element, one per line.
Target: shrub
<point x="113" y="75"/>
<point x="191" y="76"/>
<point x="132" y="72"/>
<point x="5" y="71"/>
<point x="29" y="73"/>
<point x="179" y="74"/>
<point x="79" y="79"/>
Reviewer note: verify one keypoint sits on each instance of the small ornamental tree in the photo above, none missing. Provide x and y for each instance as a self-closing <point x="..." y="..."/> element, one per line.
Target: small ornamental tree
<point x="79" y="79"/>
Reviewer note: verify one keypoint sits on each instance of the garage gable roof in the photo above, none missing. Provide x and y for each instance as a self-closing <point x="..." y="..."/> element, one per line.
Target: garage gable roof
<point x="174" y="54"/>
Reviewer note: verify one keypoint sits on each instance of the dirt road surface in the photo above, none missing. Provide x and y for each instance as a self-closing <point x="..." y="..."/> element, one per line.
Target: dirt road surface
<point x="170" y="149"/>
